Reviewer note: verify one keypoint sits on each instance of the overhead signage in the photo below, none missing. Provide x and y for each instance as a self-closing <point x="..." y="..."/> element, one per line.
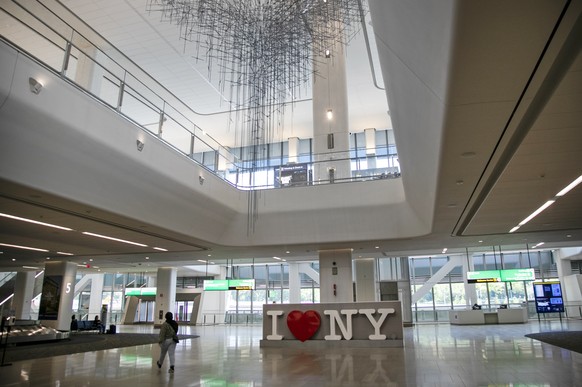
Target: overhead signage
<point x="474" y="277"/>
<point x="232" y="284"/>
<point x="241" y="284"/>
<point x="215" y="285"/>
<point x="508" y="275"/>
<point x="511" y="275"/>
<point x="140" y="291"/>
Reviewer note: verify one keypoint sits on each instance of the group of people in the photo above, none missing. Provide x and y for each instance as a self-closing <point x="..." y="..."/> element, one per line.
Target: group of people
<point x="97" y="324"/>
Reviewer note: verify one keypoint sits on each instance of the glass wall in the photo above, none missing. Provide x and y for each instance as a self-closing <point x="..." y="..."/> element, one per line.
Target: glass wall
<point x="449" y="293"/>
<point x="261" y="173"/>
<point x="272" y="286"/>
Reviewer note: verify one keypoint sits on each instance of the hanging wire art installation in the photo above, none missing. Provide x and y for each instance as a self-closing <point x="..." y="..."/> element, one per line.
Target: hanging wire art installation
<point x="263" y="53"/>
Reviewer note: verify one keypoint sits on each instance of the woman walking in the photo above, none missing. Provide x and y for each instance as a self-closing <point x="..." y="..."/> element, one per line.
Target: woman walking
<point x="168" y="339"/>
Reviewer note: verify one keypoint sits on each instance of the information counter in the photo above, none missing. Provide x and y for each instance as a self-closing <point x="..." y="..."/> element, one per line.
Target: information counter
<point x="480" y="317"/>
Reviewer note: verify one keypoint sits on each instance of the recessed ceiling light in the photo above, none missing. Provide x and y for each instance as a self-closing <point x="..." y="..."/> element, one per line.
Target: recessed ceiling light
<point x="160" y="249"/>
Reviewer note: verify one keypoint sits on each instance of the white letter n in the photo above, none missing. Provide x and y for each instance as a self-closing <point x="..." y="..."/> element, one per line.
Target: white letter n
<point x="335" y="317"/>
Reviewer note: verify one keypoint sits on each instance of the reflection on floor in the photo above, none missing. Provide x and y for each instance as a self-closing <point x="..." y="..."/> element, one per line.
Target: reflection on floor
<point x="434" y="355"/>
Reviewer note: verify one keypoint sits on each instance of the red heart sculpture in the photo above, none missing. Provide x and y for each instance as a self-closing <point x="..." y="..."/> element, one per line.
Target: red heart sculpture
<point x="303" y="325"/>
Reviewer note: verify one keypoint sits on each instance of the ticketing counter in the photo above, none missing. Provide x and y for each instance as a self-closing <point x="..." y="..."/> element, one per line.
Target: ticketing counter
<point x="480" y="317"/>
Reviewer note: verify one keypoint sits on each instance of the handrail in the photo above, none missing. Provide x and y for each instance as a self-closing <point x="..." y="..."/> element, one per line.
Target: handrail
<point x="127" y="89"/>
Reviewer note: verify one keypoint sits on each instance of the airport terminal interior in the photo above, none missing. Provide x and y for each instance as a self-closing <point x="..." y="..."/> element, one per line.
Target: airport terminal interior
<point x="399" y="181"/>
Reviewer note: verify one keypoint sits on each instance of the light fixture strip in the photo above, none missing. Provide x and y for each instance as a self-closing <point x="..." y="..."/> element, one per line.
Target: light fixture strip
<point x="35" y="222"/>
<point x="563" y="192"/>
<point x="23" y="247"/>
<point x="536" y="212"/>
<point x="114" y="239"/>
<point x="570" y="186"/>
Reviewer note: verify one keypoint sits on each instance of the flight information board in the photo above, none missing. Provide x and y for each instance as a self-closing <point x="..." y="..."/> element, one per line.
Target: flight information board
<point x="548" y="296"/>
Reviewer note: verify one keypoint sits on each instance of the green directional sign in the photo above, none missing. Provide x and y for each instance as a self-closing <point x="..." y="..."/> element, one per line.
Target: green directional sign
<point x="140" y="291"/>
<point x="511" y="275"/>
<point x="215" y="285"/>
<point x="232" y="284"/>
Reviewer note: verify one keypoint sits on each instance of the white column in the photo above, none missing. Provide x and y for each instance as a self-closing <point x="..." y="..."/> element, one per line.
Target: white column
<point x="213" y="304"/>
<point x="23" y="289"/>
<point x="370" y="136"/>
<point x="293" y="149"/>
<point x="96" y="297"/>
<point x="470" y="290"/>
<point x="405" y="291"/>
<point x="165" y="293"/>
<point x="294" y="283"/>
<point x="335" y="273"/>
<point x="365" y="279"/>
<point x="330" y="115"/>
<point x="56" y="301"/>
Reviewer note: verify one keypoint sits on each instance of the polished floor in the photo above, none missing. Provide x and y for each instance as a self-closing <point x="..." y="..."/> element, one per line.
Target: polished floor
<point x="434" y="355"/>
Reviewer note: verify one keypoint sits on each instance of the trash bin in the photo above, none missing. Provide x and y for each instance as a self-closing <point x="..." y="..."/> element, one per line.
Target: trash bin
<point x="112" y="329"/>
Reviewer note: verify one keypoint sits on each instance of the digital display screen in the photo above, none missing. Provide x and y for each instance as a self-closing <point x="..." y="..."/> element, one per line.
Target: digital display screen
<point x="548" y="297"/>
<point x="291" y="175"/>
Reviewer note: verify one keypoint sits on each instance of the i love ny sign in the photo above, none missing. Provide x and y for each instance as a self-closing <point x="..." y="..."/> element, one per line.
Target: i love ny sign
<point x="332" y="322"/>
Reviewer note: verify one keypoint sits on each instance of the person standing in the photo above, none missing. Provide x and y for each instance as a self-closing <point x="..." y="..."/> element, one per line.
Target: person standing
<point x="74" y="324"/>
<point x="168" y="339"/>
